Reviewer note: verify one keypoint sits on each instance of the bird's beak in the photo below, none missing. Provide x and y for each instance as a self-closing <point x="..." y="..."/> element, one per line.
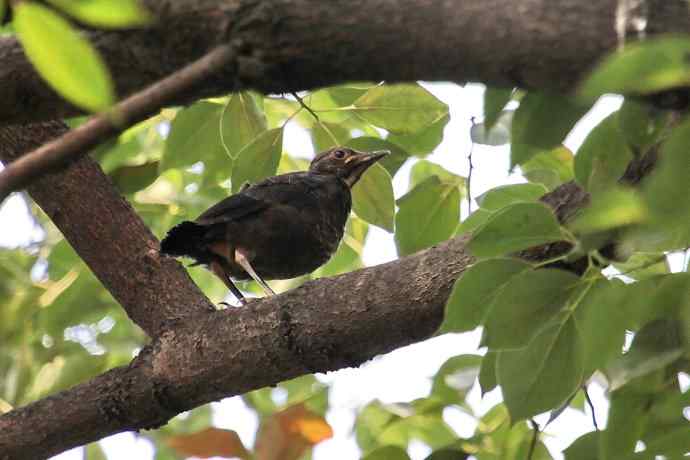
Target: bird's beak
<point x="357" y="164"/>
<point x="366" y="159"/>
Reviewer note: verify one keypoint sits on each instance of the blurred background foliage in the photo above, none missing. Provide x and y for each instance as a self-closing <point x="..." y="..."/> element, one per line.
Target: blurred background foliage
<point x="547" y="334"/>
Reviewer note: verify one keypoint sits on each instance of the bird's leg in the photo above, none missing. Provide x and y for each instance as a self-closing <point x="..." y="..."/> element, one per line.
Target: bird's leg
<point x="243" y="261"/>
<point x="218" y="270"/>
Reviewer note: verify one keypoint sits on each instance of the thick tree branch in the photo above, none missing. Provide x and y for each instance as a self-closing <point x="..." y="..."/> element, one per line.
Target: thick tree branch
<point x="314" y="328"/>
<point x="77" y="142"/>
<point x="106" y="232"/>
<point x="289" y="45"/>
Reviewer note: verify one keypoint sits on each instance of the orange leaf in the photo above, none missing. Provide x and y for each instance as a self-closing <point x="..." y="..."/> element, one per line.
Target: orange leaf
<point x="210" y="442"/>
<point x="287" y="434"/>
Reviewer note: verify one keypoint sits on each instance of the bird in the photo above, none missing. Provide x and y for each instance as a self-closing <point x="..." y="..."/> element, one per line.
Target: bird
<point x="282" y="227"/>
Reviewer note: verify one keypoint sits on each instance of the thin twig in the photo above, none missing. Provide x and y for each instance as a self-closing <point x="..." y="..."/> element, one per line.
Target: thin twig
<point x="469" y="174"/>
<point x="535" y="437"/>
<point x="316" y="117"/>
<point x="591" y="407"/>
<point x="306" y="107"/>
<point x="137" y="107"/>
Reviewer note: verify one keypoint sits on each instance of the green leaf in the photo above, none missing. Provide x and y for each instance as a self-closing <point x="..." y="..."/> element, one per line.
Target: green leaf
<point x="497" y="134"/>
<point x="586" y="447"/>
<point x="541" y="122"/>
<point x="666" y="190"/>
<point x="401" y="108"/>
<point x="130" y="179"/>
<point x="487" y="372"/>
<point x="242" y="120"/>
<point x="65" y="59"/>
<point x="455" y="378"/>
<point x="643" y="265"/>
<point x="259" y="159"/>
<point x="641" y="67"/>
<point x="641" y="124"/>
<point x="513" y="228"/>
<point x="505" y="195"/>
<point x="423" y="169"/>
<point x="495" y="99"/>
<point x="427" y="215"/>
<point x="326" y="135"/>
<point x="424" y="142"/>
<point x="601" y="323"/>
<point x="194" y="136"/>
<point x="372" y="419"/>
<point x="105" y="13"/>
<point x="447" y="454"/>
<point x="3" y="10"/>
<point x="391" y="162"/>
<point x="603" y="156"/>
<point x="551" y="168"/>
<point x="387" y="453"/>
<point x="544" y="374"/>
<point x="372" y="198"/>
<point x="625" y="424"/>
<point x="527" y="304"/>
<point x="613" y="208"/>
<point x="473" y="221"/>
<point x="475" y="290"/>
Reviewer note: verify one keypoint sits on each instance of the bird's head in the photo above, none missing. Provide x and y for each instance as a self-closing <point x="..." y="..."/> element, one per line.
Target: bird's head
<point x="346" y="163"/>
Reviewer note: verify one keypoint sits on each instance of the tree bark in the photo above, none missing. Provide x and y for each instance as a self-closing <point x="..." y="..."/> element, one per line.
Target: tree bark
<point x="106" y="232"/>
<point x="288" y="45"/>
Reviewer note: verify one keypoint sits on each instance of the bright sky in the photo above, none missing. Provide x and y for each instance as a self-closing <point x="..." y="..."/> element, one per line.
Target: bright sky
<point x="404" y="374"/>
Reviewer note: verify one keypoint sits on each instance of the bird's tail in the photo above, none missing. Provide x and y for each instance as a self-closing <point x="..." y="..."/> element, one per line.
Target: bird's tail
<point x="184" y="239"/>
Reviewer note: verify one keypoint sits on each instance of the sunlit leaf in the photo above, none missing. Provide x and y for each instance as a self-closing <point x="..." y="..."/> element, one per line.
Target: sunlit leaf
<point x="424" y="142"/>
<point x="641" y="124"/>
<point x="504" y="195"/>
<point x="194" y="136"/>
<point x="641" y="67"/>
<point x="130" y="179"/>
<point x="427" y="215"/>
<point x="541" y="122"/>
<point x="326" y="135"/>
<point x="286" y="435"/>
<point x="603" y="156"/>
<point x="211" y="442"/>
<point x="544" y="374"/>
<point x="423" y="169"/>
<point x="525" y="306"/>
<point x="515" y="227"/>
<point x="242" y="121"/>
<point x="64" y="58"/>
<point x="372" y="198"/>
<point x="401" y="109"/>
<point x="475" y="290"/>
<point x="259" y="159"/>
<point x="616" y="207"/>
<point x="105" y="13"/>
<point x="550" y="168"/>
<point x="387" y="453"/>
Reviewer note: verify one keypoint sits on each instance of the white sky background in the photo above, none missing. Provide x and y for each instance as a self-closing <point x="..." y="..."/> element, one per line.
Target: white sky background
<point x="404" y="374"/>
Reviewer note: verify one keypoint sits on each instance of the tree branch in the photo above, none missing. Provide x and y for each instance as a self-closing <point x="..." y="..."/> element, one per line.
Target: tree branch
<point x="77" y="142"/>
<point x="106" y="232"/>
<point x="292" y="45"/>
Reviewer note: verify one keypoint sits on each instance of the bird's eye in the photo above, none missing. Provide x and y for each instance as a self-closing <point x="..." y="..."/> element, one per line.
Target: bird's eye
<point x="339" y="154"/>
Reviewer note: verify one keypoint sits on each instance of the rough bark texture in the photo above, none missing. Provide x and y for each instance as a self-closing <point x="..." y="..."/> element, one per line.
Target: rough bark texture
<point x="323" y="325"/>
<point x="314" y="328"/>
<point x="286" y="45"/>
<point x="106" y="232"/>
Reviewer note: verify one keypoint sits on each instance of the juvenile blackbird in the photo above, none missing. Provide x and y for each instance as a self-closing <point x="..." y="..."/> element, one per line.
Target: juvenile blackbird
<point x="282" y="227"/>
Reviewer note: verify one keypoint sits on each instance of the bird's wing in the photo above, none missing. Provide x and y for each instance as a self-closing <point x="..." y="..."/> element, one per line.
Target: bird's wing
<point x="232" y="208"/>
<point x="295" y="189"/>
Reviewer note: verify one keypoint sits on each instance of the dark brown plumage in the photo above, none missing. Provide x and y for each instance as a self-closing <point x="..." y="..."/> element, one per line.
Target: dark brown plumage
<point x="282" y="227"/>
